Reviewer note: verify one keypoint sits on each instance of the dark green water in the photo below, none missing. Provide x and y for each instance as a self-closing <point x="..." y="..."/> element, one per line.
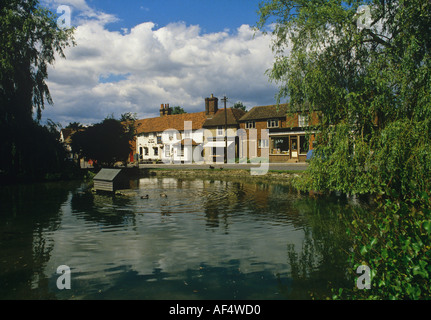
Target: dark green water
<point x="206" y="240"/>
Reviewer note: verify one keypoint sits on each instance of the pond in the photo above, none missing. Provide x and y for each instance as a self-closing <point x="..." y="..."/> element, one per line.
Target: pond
<point x="206" y="239"/>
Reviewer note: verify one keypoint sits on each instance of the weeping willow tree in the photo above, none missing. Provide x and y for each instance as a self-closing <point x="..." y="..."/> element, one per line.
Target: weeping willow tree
<point x="29" y="41"/>
<point x="365" y="67"/>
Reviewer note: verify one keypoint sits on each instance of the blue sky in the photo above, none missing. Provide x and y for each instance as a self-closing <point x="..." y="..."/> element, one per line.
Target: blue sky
<point x="210" y="15"/>
<point x="133" y="56"/>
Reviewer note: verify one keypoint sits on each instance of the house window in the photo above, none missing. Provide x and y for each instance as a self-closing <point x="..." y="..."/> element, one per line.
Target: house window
<point x="220" y="131"/>
<point x="159" y="140"/>
<point x="167" y="152"/>
<point x="273" y="123"/>
<point x="146" y="151"/>
<point x="264" y="143"/>
<point x="280" y="145"/>
<point x="250" y="125"/>
<point x="302" y="120"/>
<point x="304" y="144"/>
<point x="156" y="151"/>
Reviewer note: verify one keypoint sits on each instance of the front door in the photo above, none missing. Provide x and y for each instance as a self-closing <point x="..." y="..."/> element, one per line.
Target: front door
<point x="293" y="147"/>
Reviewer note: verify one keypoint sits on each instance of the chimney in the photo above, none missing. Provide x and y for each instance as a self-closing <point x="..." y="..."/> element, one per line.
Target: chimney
<point x="211" y="106"/>
<point x="162" y="110"/>
<point x="168" y="110"/>
<point x="165" y="110"/>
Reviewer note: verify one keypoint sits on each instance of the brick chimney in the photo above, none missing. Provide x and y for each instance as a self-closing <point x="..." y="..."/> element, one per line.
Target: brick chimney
<point x="165" y="110"/>
<point x="211" y="106"/>
<point x="162" y="110"/>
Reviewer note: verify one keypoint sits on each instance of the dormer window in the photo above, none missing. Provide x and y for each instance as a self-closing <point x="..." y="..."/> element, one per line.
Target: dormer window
<point x="273" y="123"/>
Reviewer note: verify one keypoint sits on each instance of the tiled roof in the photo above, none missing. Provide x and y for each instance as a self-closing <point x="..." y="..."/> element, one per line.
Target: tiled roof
<point x="175" y="121"/>
<point x="233" y="116"/>
<point x="266" y="112"/>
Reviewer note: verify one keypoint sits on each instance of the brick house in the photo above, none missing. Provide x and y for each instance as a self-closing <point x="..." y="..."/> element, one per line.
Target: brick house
<point x="289" y="136"/>
<point x="215" y="134"/>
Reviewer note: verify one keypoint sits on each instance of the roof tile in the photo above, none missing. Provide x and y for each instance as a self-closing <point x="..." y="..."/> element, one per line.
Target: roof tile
<point x="173" y="122"/>
<point x="233" y="116"/>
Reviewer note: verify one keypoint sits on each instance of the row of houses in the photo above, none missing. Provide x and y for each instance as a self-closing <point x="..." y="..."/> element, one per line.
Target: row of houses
<point x="218" y="135"/>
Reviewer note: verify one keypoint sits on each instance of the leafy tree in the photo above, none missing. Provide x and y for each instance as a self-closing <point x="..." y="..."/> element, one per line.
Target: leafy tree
<point x="369" y="76"/>
<point x="128" y="116"/>
<point x="107" y="142"/>
<point x="239" y="105"/>
<point x="29" y="41"/>
<point x="29" y="38"/>
<point x="178" y="110"/>
<point x="74" y="126"/>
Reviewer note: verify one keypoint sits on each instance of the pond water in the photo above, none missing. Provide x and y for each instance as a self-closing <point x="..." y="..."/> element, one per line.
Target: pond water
<point x="207" y="239"/>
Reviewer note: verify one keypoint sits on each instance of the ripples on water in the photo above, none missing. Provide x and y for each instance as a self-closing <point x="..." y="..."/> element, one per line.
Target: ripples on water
<point x="205" y="240"/>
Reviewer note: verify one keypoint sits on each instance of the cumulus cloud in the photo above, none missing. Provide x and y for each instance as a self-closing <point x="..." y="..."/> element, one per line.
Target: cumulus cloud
<point x="136" y="70"/>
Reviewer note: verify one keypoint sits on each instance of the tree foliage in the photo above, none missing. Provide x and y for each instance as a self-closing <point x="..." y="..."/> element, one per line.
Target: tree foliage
<point x="178" y="110"/>
<point x="239" y="105"/>
<point x="30" y="39"/>
<point x="369" y="78"/>
<point x="106" y="143"/>
<point x="29" y="42"/>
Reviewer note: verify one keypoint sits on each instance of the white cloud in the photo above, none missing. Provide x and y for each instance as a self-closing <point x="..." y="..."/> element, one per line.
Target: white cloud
<point x="112" y="72"/>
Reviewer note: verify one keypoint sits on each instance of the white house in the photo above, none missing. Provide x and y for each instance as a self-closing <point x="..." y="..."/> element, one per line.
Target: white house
<point x="171" y="138"/>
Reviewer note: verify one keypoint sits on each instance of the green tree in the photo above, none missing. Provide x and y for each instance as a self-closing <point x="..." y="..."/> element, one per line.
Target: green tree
<point x="29" y="42"/>
<point x="178" y="110"/>
<point x="369" y="77"/>
<point x="128" y="116"/>
<point x="30" y="39"/>
<point x="364" y="81"/>
<point x="107" y="142"/>
<point x="239" y="105"/>
<point x="74" y="126"/>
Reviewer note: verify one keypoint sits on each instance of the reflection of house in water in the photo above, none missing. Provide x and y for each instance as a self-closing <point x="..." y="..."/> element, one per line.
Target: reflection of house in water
<point x="105" y="209"/>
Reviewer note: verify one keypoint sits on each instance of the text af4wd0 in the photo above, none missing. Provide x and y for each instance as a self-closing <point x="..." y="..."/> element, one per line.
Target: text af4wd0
<point x="236" y="309"/>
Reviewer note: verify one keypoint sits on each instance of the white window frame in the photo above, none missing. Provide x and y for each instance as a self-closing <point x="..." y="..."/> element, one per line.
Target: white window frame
<point x="273" y="123"/>
<point x="250" y="124"/>
<point x="302" y="120"/>
<point x="264" y="143"/>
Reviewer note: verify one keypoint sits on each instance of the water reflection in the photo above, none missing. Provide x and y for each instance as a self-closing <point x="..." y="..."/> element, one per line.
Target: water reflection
<point x="206" y="239"/>
<point x="28" y="213"/>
